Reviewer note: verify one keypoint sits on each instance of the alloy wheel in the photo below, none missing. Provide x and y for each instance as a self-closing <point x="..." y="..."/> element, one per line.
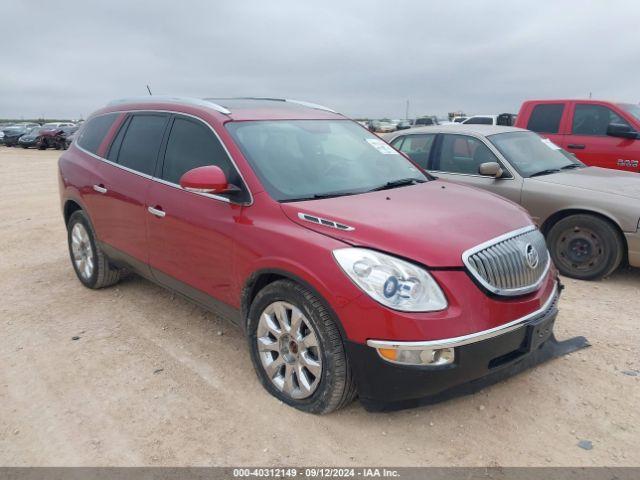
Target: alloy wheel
<point x="289" y="350"/>
<point x="82" y="250"/>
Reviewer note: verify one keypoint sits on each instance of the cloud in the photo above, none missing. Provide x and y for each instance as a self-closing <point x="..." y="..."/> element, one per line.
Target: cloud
<point x="364" y="58"/>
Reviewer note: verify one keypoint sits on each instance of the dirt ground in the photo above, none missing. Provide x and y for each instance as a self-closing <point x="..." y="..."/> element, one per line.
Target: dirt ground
<point x="155" y="380"/>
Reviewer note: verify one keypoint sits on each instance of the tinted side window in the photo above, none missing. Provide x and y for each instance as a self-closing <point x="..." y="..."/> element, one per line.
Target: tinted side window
<point x="594" y="119"/>
<point x="112" y="153"/>
<point x="545" y="118"/>
<point x="92" y="134"/>
<point x="418" y="148"/>
<point x="462" y="154"/>
<point x="397" y="142"/>
<point x="191" y="144"/>
<point x="479" y="121"/>
<point x="139" y="149"/>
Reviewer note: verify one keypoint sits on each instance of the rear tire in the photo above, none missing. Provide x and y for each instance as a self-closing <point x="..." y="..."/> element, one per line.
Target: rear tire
<point x="308" y="365"/>
<point x="585" y="247"/>
<point x="89" y="261"/>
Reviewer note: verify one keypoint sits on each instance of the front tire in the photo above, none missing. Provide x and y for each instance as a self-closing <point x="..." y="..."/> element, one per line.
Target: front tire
<point x="585" y="247"/>
<point x="89" y="261"/>
<point x="297" y="349"/>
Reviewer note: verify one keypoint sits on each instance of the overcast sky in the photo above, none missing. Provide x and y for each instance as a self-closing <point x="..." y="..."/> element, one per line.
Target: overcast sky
<point x="363" y="58"/>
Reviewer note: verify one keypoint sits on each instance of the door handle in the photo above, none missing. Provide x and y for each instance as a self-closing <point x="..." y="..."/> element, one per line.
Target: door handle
<point x="156" y="211"/>
<point x="576" y="146"/>
<point x="100" y="188"/>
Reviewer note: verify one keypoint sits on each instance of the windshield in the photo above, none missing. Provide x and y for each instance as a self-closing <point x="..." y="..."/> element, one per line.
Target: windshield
<point x="531" y="154"/>
<point x="303" y="159"/>
<point x="631" y="109"/>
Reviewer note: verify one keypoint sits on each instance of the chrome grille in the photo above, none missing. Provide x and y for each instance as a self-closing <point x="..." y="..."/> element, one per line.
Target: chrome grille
<point x="513" y="264"/>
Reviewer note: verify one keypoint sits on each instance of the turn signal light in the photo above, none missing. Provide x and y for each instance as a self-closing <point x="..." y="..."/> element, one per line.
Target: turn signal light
<point x="428" y="357"/>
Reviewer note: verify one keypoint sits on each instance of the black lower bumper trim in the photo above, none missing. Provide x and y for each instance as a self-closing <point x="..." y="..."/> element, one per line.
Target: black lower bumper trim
<point x="383" y="386"/>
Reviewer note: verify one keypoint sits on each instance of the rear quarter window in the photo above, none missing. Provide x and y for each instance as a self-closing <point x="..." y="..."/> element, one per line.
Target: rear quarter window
<point x="94" y="131"/>
<point x="546" y="118"/>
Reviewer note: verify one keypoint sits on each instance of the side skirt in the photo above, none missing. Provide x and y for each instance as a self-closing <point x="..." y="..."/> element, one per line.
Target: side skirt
<point x="206" y="301"/>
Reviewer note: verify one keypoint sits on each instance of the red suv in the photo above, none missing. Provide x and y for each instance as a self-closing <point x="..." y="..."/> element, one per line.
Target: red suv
<point x="349" y="268"/>
<point x="601" y="134"/>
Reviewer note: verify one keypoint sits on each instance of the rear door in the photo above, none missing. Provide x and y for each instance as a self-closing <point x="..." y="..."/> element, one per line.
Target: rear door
<point x="417" y="147"/>
<point x="589" y="141"/>
<point x="125" y="179"/>
<point x="458" y="159"/>
<point x="191" y="234"/>
<point x="549" y="120"/>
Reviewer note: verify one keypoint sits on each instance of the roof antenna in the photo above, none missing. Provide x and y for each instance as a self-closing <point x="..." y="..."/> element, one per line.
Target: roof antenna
<point x="149" y="90"/>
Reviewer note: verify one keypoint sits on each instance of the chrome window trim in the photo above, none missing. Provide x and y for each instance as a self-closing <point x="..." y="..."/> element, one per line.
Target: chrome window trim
<point x="171" y="184"/>
<point x="510" y="292"/>
<point x="472" y="337"/>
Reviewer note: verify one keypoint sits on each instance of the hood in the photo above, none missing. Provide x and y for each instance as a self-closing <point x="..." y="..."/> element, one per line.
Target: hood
<point x="602" y="180"/>
<point x="431" y="223"/>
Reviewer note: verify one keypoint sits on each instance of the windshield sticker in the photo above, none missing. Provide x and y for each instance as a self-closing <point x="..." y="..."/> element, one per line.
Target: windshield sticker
<point x="550" y="144"/>
<point x="381" y="146"/>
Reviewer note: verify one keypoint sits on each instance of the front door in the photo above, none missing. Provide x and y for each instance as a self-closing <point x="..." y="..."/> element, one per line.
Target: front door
<point x="458" y="159"/>
<point x="191" y="234"/>
<point x="589" y="141"/>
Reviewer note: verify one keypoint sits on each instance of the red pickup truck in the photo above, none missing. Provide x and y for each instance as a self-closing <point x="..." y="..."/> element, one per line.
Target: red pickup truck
<point x="600" y="134"/>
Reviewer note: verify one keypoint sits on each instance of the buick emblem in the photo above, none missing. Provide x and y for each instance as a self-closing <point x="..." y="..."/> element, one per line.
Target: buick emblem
<point x="531" y="255"/>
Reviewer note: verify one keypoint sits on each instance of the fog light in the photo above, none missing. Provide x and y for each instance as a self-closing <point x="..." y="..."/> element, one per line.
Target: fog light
<point x="427" y="357"/>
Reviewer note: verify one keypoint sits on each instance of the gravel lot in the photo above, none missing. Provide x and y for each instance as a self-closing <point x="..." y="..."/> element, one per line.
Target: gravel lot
<point x="155" y="380"/>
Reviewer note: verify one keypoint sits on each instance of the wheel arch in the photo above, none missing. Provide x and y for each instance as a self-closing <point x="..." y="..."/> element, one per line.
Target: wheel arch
<point x="264" y="277"/>
<point x="70" y="207"/>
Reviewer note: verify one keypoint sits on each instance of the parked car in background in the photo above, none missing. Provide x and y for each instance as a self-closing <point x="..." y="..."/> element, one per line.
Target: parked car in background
<point x="503" y="119"/>
<point x="69" y="134"/>
<point x="599" y="133"/>
<point x="378" y="126"/>
<point x="590" y="216"/>
<point x="458" y="119"/>
<point x="424" y="121"/>
<point x="403" y="125"/>
<point x="51" y="138"/>
<point x="12" y="134"/>
<point x="52" y="125"/>
<point x="31" y="139"/>
<point x="350" y="270"/>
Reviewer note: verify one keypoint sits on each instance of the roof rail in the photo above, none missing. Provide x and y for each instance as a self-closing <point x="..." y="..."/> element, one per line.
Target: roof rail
<point x="288" y="100"/>
<point x="310" y="105"/>
<point x="171" y="99"/>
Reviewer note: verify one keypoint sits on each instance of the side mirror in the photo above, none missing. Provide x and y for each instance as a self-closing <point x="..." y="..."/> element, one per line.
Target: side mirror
<point x="209" y="179"/>
<point x="490" y="169"/>
<point x="621" y="130"/>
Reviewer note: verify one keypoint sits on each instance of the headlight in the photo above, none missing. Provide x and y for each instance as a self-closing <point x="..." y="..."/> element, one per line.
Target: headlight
<point x="393" y="282"/>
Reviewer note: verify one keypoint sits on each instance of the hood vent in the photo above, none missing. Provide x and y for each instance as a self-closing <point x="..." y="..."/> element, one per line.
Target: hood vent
<point x="323" y="221"/>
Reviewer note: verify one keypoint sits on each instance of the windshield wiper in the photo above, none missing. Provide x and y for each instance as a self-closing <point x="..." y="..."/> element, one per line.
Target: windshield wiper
<point x="318" y="196"/>
<point x="544" y="172"/>
<point x="398" y="183"/>
<point x="570" y="166"/>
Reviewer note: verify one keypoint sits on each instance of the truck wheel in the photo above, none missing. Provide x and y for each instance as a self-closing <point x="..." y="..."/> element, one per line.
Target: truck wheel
<point x="585" y="247"/>
<point x="297" y="350"/>
<point x="89" y="262"/>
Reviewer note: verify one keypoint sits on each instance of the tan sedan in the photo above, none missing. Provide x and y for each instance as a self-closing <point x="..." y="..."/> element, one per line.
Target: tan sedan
<point x="589" y="215"/>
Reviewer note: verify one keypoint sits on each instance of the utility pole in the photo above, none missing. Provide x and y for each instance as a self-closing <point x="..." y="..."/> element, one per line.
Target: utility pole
<point x="149" y="90"/>
<point x="406" y="112"/>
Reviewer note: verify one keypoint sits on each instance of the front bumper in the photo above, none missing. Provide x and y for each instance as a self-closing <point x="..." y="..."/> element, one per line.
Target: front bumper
<point x="481" y="359"/>
<point x="633" y="244"/>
